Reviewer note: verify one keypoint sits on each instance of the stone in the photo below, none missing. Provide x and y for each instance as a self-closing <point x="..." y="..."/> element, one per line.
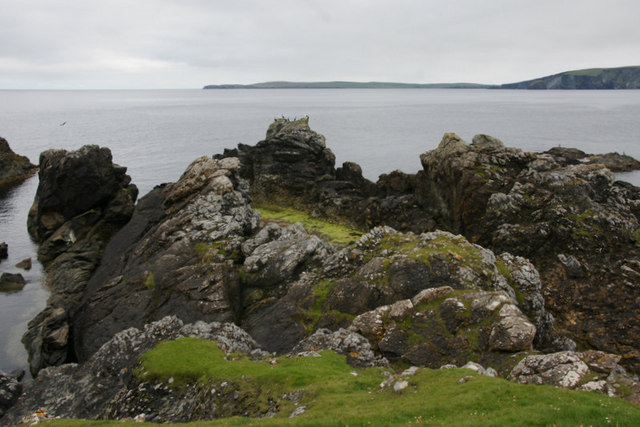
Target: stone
<point x="4" y="251"/>
<point x="432" y="294"/>
<point x="11" y="282"/>
<point x="400" y="386"/>
<point x="564" y="369"/>
<point x="513" y="331"/>
<point x="10" y="390"/>
<point x="25" y="264"/>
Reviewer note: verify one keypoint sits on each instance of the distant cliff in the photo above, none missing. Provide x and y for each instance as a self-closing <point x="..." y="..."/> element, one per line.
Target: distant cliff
<point x="593" y="78"/>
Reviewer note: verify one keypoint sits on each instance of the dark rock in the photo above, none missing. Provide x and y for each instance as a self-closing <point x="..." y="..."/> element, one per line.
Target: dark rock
<point x="25" y="264"/>
<point x="4" y="251"/>
<point x="81" y="201"/>
<point x="615" y="162"/>
<point x="177" y="256"/>
<point x="10" y="390"/>
<point x="13" y="168"/>
<point x="10" y="282"/>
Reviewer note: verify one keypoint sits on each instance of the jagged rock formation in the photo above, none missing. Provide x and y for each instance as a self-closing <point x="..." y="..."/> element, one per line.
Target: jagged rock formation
<point x="572" y="219"/>
<point x="81" y="201"/>
<point x="197" y="250"/>
<point x="166" y="260"/>
<point x="13" y="167"/>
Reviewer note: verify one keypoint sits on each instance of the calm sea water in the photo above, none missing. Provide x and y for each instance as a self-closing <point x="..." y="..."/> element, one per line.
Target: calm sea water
<point x="156" y="134"/>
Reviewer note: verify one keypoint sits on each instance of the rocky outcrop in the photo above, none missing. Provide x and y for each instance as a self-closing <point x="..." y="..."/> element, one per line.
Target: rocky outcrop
<point x="4" y="251"/>
<point x="171" y="258"/>
<point x="590" y="371"/>
<point x="81" y="201"/>
<point x="575" y="223"/>
<point x="13" y="167"/>
<point x="110" y="389"/>
<point x="439" y="327"/>
<point x="613" y="161"/>
<point x="293" y="167"/>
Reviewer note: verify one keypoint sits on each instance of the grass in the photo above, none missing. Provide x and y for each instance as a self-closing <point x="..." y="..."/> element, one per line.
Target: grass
<point x="335" y="397"/>
<point x="332" y="232"/>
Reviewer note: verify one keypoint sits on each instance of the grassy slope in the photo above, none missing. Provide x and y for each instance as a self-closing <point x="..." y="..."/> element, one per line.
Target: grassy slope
<point x="336" y="397"/>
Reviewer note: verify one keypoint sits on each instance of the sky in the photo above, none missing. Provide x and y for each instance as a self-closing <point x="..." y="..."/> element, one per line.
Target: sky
<point x="153" y="44"/>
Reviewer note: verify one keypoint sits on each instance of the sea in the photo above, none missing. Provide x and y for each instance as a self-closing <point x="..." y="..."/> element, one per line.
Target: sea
<point x="157" y="133"/>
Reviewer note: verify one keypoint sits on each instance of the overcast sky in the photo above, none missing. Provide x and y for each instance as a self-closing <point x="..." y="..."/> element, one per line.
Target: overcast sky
<point x="93" y="44"/>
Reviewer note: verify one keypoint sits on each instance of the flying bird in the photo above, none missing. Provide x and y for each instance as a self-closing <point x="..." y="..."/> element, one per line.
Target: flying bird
<point x="63" y="123"/>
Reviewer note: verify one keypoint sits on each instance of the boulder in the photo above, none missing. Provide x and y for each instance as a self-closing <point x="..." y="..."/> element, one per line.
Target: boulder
<point x="13" y="167"/>
<point x="25" y="264"/>
<point x="10" y="282"/>
<point x="4" y="251"/>
<point x="590" y="371"/>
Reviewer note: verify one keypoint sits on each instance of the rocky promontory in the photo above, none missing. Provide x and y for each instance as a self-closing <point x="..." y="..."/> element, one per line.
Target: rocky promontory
<point x="521" y="263"/>
<point x="13" y="167"/>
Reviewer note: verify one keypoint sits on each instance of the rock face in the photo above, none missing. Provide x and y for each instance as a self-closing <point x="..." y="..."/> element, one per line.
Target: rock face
<point x="10" y="390"/>
<point x="596" y="78"/>
<point x="575" y="223"/>
<point x="13" y="167"/>
<point x="81" y="201"/>
<point x="171" y="258"/>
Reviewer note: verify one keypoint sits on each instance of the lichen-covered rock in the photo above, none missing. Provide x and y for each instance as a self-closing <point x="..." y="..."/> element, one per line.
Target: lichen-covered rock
<point x="105" y="387"/>
<point x="448" y="329"/>
<point x="590" y="371"/>
<point x="13" y="167"/>
<point x="175" y="257"/>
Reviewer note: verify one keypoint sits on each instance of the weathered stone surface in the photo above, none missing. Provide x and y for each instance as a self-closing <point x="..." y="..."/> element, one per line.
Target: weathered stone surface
<point x="563" y="369"/>
<point x="512" y="331"/>
<point x="13" y="167"/>
<point x="104" y="387"/>
<point x="569" y="369"/>
<point x="449" y="329"/>
<point x="10" y="390"/>
<point x="175" y="257"/>
<point x="81" y="201"/>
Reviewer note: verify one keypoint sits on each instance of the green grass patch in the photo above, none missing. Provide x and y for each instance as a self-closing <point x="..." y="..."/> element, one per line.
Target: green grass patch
<point x="591" y="72"/>
<point x="338" y="398"/>
<point x="150" y="281"/>
<point x="332" y="232"/>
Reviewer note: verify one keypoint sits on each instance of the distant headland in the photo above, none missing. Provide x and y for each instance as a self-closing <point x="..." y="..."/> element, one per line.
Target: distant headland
<point x="592" y="78"/>
<point x="348" y="85"/>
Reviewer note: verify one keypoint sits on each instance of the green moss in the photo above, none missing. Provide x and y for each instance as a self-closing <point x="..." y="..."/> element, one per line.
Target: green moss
<point x="150" y="281"/>
<point x="208" y="251"/>
<point x="332" y="232"/>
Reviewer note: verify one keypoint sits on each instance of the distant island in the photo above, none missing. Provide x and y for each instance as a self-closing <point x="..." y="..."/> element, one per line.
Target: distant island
<point x="348" y="85"/>
<point x="592" y="78"/>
